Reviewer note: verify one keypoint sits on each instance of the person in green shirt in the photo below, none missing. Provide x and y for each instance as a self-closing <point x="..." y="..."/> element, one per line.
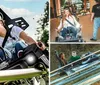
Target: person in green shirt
<point x="74" y="56"/>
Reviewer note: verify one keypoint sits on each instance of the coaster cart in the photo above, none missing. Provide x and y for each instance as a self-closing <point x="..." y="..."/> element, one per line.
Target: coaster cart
<point x="69" y="34"/>
<point x="70" y="37"/>
<point x="81" y="63"/>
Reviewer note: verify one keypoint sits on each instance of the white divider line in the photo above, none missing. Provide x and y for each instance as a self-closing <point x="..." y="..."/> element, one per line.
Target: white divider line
<point x="18" y="72"/>
<point x="74" y="61"/>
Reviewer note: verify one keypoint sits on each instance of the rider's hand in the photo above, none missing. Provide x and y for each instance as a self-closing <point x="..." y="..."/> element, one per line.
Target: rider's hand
<point x="41" y="46"/>
<point x="57" y="30"/>
<point x="80" y="28"/>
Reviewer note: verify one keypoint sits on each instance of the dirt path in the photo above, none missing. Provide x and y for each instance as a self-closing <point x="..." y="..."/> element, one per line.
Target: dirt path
<point x="87" y="28"/>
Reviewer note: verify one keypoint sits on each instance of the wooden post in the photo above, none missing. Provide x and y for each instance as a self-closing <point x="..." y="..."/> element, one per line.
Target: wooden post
<point x="85" y="4"/>
<point x="54" y="22"/>
<point x="92" y="2"/>
<point x="58" y="7"/>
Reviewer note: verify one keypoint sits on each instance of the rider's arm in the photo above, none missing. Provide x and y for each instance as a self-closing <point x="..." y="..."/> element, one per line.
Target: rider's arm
<point x="93" y="12"/>
<point x="64" y="62"/>
<point x="26" y="38"/>
<point x="2" y="31"/>
<point x="60" y="26"/>
<point x="19" y="33"/>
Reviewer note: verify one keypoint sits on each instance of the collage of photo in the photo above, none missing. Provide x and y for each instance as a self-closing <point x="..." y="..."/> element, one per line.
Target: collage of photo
<point x="49" y="42"/>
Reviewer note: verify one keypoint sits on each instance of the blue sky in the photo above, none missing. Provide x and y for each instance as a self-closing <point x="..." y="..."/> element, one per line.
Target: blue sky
<point x="28" y="9"/>
<point x="36" y="6"/>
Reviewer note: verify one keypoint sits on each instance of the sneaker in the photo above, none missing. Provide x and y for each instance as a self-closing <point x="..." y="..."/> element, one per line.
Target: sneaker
<point x="93" y="39"/>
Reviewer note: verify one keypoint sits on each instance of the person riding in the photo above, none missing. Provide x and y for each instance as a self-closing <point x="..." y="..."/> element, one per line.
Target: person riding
<point x="62" y="58"/>
<point x="65" y="25"/>
<point x="14" y="42"/>
<point x="74" y="56"/>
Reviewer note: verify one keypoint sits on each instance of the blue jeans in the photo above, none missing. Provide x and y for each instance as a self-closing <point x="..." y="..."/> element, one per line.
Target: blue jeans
<point x="18" y="47"/>
<point x="65" y="31"/>
<point x="96" y="27"/>
<point x="2" y="55"/>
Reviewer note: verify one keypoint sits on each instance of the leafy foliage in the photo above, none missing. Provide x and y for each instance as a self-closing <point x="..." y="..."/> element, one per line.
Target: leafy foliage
<point x="42" y="31"/>
<point x="62" y="2"/>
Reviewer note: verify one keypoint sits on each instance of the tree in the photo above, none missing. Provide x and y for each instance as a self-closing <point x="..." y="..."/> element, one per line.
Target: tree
<point x="62" y="2"/>
<point x="42" y="31"/>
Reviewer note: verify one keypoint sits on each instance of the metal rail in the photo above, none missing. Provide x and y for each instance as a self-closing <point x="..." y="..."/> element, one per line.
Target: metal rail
<point x="79" y="71"/>
<point x="88" y="68"/>
<point x="78" y="76"/>
<point x="90" y="80"/>
<point x="8" y="75"/>
<point x="74" y="61"/>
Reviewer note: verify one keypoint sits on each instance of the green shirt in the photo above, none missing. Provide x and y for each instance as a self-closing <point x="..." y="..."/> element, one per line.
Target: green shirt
<point x="74" y="58"/>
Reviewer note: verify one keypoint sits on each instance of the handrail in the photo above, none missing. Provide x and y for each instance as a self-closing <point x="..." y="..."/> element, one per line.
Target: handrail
<point x="89" y="80"/>
<point x="7" y="75"/>
<point x="77" y="72"/>
<point x="74" y="62"/>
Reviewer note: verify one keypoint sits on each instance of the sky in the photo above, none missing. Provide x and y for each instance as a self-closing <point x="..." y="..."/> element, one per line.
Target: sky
<point x="28" y="9"/>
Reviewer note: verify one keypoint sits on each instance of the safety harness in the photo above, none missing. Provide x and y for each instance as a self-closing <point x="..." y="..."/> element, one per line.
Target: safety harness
<point x="8" y="34"/>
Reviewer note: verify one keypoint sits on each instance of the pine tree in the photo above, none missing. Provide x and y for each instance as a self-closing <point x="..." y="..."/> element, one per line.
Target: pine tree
<point x="42" y="31"/>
